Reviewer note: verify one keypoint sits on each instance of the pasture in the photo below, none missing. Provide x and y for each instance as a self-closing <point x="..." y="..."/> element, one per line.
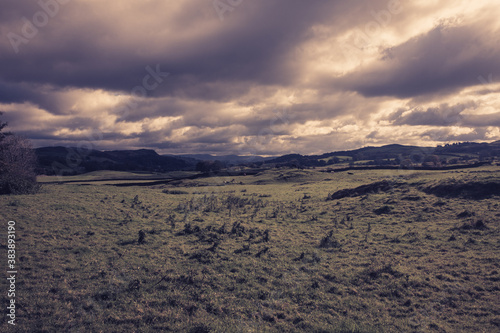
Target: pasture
<point x="280" y="251"/>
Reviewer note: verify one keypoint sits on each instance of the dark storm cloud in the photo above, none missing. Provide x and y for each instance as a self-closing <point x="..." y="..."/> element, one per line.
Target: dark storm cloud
<point x="75" y="139"/>
<point x="445" y="135"/>
<point x="89" y="53"/>
<point x="254" y="82"/>
<point x="444" y="115"/>
<point x="85" y="49"/>
<point x="443" y="60"/>
<point x="21" y="93"/>
<point x="483" y="120"/>
<point x="277" y="119"/>
<point x="150" y="108"/>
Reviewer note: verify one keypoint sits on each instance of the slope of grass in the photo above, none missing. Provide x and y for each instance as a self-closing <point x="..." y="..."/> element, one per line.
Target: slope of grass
<point x="113" y="176"/>
<point x="263" y="253"/>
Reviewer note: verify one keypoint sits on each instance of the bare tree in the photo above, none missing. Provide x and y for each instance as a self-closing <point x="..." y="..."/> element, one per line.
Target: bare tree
<point x="2" y="126"/>
<point x="17" y="164"/>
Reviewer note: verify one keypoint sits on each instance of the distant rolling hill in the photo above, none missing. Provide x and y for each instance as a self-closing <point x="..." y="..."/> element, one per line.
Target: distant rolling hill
<point x="394" y="153"/>
<point x="62" y="160"/>
<point x="68" y="161"/>
<point x="231" y="159"/>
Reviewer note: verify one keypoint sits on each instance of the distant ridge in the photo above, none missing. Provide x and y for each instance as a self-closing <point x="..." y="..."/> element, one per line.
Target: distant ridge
<point x="383" y="154"/>
<point x="233" y="159"/>
<point x="71" y="160"/>
<point x="63" y="160"/>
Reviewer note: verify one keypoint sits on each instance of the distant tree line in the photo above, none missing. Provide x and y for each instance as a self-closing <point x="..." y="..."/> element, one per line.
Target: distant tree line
<point x="209" y="166"/>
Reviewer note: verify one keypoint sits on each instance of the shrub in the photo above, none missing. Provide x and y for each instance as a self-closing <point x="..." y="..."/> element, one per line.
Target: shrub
<point x="17" y="166"/>
<point x="383" y="210"/>
<point x="329" y="241"/>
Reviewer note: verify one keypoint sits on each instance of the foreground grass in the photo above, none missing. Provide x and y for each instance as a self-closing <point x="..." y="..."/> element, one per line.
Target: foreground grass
<point x="264" y="253"/>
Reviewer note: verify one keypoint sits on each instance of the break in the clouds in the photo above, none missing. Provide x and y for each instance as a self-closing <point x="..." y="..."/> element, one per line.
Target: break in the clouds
<point x="250" y="76"/>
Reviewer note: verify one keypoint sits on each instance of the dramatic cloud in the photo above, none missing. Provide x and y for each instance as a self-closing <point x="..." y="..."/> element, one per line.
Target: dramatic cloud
<point x="443" y="60"/>
<point x="250" y="76"/>
<point x="443" y="115"/>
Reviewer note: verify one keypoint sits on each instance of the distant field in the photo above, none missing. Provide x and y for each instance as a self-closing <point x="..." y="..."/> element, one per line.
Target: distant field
<point x="280" y="251"/>
<point x="113" y="175"/>
<point x="341" y="158"/>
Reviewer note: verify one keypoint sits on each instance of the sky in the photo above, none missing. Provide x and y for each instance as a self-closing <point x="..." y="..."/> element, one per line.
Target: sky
<point x="267" y="77"/>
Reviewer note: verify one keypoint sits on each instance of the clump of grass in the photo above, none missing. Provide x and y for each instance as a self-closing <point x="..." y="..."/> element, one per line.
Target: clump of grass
<point x="473" y="225"/>
<point x="222" y="229"/>
<point x="383" y="210"/>
<point x="378" y="270"/>
<point x="439" y="203"/>
<point x="166" y="191"/>
<point x="214" y="246"/>
<point x="237" y="229"/>
<point x="171" y="220"/>
<point x="261" y="252"/>
<point x="189" y="229"/>
<point x="265" y="237"/>
<point x="465" y="213"/>
<point x="368" y="230"/>
<point x="203" y="257"/>
<point x="471" y="241"/>
<point x="329" y="241"/>
<point x="14" y="203"/>
<point x="142" y="236"/>
<point x="134" y="285"/>
<point x="310" y="258"/>
<point x="201" y="328"/>
<point x="245" y="248"/>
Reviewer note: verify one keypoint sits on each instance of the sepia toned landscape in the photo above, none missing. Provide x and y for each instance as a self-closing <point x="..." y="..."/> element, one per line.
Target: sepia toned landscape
<point x="208" y="166"/>
<point x="282" y="250"/>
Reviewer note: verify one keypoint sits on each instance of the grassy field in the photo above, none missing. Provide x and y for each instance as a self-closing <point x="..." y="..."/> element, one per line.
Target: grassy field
<point x="101" y="176"/>
<point x="281" y="251"/>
